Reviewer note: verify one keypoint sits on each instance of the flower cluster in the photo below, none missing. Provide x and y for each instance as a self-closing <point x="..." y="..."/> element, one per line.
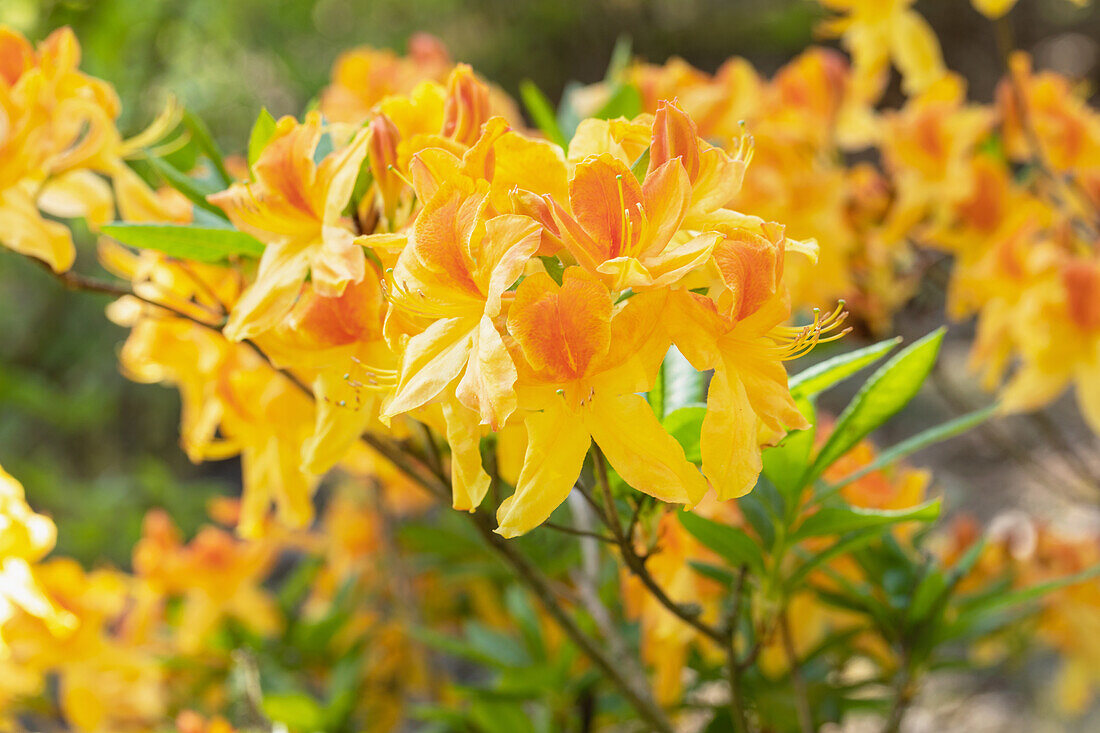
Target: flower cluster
<point x="411" y="286"/>
<point x="1008" y="189"/>
<point x="58" y="142"/>
<point x="431" y="262"/>
<point x="127" y="650"/>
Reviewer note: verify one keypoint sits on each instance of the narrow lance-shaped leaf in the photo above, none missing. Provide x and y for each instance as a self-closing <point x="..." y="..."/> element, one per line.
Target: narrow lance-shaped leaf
<point x="883" y="395"/>
<point x="568" y="117"/>
<point x="993" y="611"/>
<point x="820" y="377"/>
<point x="842" y="546"/>
<point x="732" y="544"/>
<point x="786" y="463"/>
<point x="541" y="111"/>
<point x="200" y="133"/>
<point x="923" y="439"/>
<point x="640" y="166"/>
<point x="620" y="59"/>
<point x="712" y="572"/>
<point x="195" y="192"/>
<point x="187" y="242"/>
<point x="262" y="131"/>
<point x="835" y="520"/>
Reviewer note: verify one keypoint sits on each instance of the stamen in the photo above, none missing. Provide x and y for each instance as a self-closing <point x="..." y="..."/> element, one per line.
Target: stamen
<point x="793" y="342"/>
<point x="393" y="169"/>
<point x="625" y="222"/>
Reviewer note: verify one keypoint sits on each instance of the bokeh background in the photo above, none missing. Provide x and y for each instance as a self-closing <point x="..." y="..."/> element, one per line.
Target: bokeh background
<point x="97" y="451"/>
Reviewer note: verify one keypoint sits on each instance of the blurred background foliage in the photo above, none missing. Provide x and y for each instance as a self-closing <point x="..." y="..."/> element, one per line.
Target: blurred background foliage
<point x="96" y="451"/>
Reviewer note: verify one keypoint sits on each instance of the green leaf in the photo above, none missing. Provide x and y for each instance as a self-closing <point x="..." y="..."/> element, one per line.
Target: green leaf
<point x="923" y="439"/>
<point x="488" y="654"/>
<point x="786" y="463"/>
<point x="527" y="619"/>
<point x="186" y="242"/>
<point x="496" y="645"/>
<point x="641" y="166"/>
<point x="927" y="595"/>
<point x="730" y="543"/>
<point x="712" y="572"/>
<point x="843" y="545"/>
<point x="835" y="520"/>
<point x="297" y="710"/>
<point x="568" y="118"/>
<point x="500" y="717"/>
<point x="991" y="612"/>
<point x="325" y="147"/>
<point x="553" y="266"/>
<point x="887" y="391"/>
<point x="195" y="192"/>
<point x="620" y="59"/>
<point x="200" y="133"/>
<point x="625" y="101"/>
<point x="541" y="111"/>
<point x="685" y="424"/>
<point x="820" y="377"/>
<point x="682" y="384"/>
<point x="262" y="131"/>
<point x="1033" y="593"/>
<point x="759" y="518"/>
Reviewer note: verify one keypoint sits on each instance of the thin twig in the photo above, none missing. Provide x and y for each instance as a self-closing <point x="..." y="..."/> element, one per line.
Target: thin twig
<point x="903" y="696"/>
<point x="737" y="702"/>
<point x="636" y="565"/>
<point x="639" y="697"/>
<point x="431" y="450"/>
<point x="798" y="682"/>
<point x="578" y="532"/>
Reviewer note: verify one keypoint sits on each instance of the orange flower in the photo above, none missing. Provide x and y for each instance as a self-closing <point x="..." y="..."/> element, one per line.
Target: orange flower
<point x="584" y="361"/>
<point x="737" y="334"/>
<point x="296" y="208"/>
<point x="625" y="232"/>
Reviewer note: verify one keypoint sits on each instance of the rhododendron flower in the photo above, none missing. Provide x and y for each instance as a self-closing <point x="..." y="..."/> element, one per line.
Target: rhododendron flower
<point x="25" y="538"/>
<point x="459" y="262"/>
<point x="583" y="362"/>
<point x="626" y="232"/>
<point x="737" y="334"/>
<point x="878" y="33"/>
<point x="714" y="176"/>
<point x="296" y="208"/>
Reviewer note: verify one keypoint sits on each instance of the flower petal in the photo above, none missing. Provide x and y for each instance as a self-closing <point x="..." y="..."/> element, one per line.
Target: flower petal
<point x="556" y="446"/>
<point x="469" y="481"/>
<point x="637" y="446"/>
<point x="728" y="440"/>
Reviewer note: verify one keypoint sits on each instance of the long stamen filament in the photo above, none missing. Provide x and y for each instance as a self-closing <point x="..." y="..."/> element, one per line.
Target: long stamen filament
<point x="793" y="342"/>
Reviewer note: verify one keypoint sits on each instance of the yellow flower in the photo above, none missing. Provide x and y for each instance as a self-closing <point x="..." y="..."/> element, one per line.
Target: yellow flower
<point x="736" y="333"/>
<point x="296" y="208"/>
<point x="877" y="33"/>
<point x="460" y="260"/>
<point x="25" y="538"/>
<point x="583" y="363"/>
<point x="215" y="576"/>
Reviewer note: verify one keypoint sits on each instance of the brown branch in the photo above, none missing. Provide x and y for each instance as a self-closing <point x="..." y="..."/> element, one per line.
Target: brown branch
<point x="638" y="696"/>
<point x="578" y="532"/>
<point x="902" y="698"/>
<point x="636" y="564"/>
<point x="737" y="702"/>
<point x="798" y="682"/>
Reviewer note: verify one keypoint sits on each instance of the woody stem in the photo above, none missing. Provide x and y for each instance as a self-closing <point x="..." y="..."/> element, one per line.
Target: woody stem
<point x="412" y="466"/>
<point x="636" y="564"/>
